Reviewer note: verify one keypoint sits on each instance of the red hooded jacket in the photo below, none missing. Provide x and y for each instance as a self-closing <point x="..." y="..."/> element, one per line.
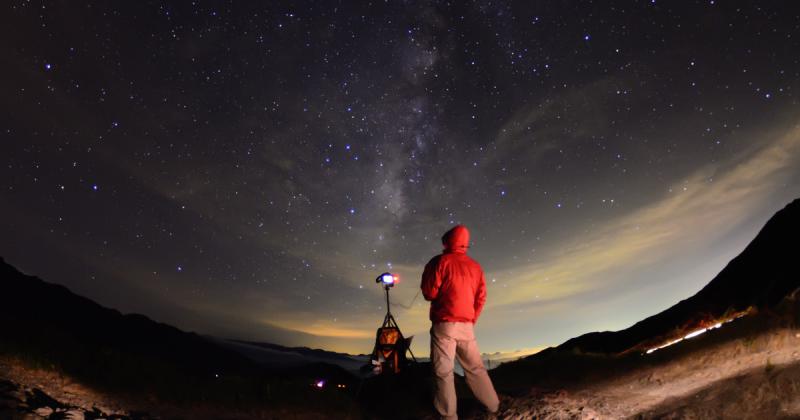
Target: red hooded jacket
<point x="454" y="282"/>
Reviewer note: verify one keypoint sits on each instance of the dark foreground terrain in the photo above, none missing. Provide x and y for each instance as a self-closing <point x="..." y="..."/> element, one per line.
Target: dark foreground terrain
<point x="97" y="360"/>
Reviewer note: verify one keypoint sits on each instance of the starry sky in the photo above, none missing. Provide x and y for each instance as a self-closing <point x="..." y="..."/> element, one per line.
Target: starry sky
<point x="246" y="169"/>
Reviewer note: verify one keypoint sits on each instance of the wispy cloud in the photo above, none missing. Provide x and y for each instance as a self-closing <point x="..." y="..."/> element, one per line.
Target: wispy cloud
<point x="695" y="211"/>
<point x="322" y="329"/>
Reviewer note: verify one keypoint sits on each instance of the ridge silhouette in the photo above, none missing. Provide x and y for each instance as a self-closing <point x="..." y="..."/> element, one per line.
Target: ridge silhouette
<point x="765" y="272"/>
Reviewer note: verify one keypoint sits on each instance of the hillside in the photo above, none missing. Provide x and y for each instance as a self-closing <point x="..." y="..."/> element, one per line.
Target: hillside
<point x="737" y="336"/>
<point x="48" y="322"/>
<point x="46" y="330"/>
<point x="763" y="274"/>
<point x="747" y="369"/>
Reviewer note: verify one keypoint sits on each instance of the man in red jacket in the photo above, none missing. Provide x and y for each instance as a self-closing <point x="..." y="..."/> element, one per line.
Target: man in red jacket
<point x="456" y="288"/>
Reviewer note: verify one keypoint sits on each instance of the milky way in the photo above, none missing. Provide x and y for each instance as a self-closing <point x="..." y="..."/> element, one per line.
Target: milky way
<point x="247" y="170"/>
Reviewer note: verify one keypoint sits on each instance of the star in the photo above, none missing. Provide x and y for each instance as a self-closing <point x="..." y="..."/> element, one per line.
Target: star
<point x="242" y="153"/>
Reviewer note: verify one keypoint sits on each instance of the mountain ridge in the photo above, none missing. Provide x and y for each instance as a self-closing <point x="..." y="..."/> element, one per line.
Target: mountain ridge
<point x="727" y="294"/>
<point x="48" y="325"/>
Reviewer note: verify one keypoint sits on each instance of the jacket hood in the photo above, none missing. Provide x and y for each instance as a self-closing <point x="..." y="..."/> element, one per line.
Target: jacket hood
<point x="456" y="239"/>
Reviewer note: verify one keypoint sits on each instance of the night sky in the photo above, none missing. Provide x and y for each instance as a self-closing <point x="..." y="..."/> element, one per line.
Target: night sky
<point x="246" y="170"/>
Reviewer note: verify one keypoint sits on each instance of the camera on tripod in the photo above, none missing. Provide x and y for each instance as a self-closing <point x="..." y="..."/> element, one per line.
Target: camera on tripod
<point x="389" y="353"/>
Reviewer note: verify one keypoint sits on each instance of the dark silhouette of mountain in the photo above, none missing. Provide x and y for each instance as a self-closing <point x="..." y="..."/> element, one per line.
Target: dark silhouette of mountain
<point x="760" y="277"/>
<point x="48" y="325"/>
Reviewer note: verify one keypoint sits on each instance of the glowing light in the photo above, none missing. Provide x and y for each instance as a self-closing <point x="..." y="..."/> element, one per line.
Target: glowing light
<point x="320" y="384"/>
<point x="388" y="279"/>
<point x="665" y="345"/>
<point x="693" y="334"/>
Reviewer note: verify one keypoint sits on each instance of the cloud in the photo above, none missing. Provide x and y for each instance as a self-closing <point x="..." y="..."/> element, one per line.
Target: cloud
<point x="705" y="205"/>
<point x="323" y="329"/>
<point x="512" y="355"/>
<point x="694" y="212"/>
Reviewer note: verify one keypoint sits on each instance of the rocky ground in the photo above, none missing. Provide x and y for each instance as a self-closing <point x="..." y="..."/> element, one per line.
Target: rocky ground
<point x="27" y="393"/>
<point x="31" y="393"/>
<point x="756" y="377"/>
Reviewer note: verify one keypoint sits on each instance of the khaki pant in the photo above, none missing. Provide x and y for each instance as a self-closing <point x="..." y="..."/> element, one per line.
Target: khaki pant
<point x="457" y="339"/>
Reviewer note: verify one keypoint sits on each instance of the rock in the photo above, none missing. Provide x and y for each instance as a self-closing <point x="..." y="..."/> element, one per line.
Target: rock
<point x="74" y="414"/>
<point x="43" y="411"/>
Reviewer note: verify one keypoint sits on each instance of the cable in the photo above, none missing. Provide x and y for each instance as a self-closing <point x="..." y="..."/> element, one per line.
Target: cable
<point x="410" y="304"/>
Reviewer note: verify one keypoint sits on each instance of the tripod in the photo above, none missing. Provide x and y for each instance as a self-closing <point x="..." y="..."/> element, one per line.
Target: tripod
<point x="389" y="341"/>
<point x="388" y="320"/>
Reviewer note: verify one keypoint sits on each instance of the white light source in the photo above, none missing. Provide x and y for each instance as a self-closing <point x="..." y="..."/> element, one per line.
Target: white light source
<point x="695" y="333"/>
